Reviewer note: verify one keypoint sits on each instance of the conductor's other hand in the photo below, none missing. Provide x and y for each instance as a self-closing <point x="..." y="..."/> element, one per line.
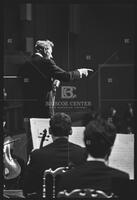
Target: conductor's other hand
<point x="84" y="71"/>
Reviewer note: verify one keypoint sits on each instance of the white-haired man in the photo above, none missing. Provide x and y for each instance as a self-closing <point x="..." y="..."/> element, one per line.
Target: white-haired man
<point x="38" y="75"/>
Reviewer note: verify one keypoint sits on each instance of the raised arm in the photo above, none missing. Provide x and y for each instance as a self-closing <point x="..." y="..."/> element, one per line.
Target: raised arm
<point x="62" y="75"/>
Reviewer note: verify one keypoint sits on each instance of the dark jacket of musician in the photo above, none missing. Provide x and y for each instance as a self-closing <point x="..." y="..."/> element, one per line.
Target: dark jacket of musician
<point x="60" y="153"/>
<point x="37" y="76"/>
<point x="96" y="174"/>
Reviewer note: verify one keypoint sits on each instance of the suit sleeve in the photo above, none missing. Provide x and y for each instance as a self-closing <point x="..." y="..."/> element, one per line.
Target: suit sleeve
<point x="60" y="74"/>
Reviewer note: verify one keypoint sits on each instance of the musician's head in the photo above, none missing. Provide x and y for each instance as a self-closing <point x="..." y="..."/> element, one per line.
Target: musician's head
<point x="99" y="137"/>
<point x="44" y="47"/>
<point x="60" y="125"/>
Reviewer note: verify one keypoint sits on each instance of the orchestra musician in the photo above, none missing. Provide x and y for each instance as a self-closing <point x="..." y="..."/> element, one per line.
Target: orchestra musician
<point x="37" y="76"/>
<point x="95" y="173"/>
<point x="60" y="153"/>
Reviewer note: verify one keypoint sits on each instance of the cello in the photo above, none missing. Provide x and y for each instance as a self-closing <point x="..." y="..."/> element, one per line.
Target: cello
<point x="12" y="169"/>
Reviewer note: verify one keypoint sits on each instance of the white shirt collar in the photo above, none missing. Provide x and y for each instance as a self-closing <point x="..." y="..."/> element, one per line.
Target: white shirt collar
<point x="89" y="158"/>
<point x="39" y="54"/>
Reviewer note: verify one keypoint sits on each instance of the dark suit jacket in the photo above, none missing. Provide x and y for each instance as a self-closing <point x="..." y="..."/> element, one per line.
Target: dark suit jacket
<point x="37" y="76"/>
<point x="57" y="154"/>
<point x="96" y="175"/>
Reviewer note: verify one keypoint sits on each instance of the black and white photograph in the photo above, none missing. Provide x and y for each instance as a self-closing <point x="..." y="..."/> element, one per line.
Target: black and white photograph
<point x="68" y="100"/>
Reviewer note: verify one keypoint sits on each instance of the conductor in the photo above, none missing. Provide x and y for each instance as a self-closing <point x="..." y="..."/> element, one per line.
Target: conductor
<point x="37" y="76"/>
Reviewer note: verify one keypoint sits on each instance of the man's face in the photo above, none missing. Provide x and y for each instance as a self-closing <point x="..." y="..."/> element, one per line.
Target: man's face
<point x="48" y="52"/>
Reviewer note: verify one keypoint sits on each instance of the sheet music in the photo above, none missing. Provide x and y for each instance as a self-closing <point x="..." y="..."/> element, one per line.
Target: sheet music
<point x="122" y="155"/>
<point x="37" y="126"/>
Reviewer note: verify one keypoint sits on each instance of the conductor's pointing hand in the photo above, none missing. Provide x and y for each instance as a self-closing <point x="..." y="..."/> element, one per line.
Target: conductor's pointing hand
<point x="84" y="71"/>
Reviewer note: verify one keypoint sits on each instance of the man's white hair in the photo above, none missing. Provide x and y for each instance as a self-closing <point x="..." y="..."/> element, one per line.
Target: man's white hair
<point x="44" y="44"/>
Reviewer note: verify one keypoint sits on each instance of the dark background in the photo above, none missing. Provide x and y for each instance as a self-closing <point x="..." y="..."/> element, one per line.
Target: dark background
<point x="98" y="36"/>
